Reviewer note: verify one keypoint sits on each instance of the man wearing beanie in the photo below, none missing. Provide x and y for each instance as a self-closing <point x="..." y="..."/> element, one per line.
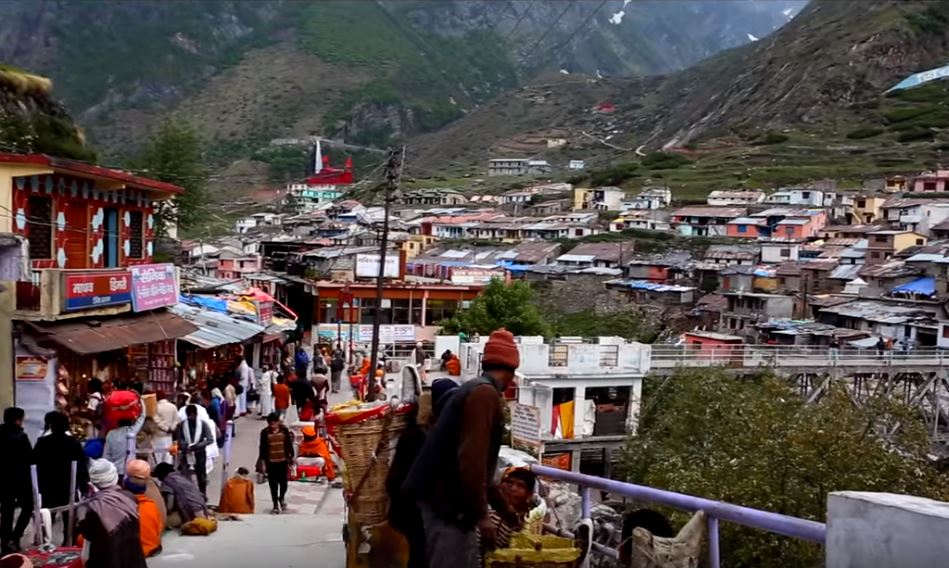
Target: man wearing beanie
<point x="108" y="522"/>
<point x="452" y="475"/>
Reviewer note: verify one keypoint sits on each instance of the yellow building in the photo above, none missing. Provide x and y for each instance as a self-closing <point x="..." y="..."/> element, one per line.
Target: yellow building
<point x="868" y="209"/>
<point x="415" y="244"/>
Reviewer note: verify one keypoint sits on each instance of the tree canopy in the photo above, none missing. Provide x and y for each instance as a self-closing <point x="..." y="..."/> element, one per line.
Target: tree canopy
<point x="756" y="442"/>
<point x="174" y="154"/>
<point x="507" y="305"/>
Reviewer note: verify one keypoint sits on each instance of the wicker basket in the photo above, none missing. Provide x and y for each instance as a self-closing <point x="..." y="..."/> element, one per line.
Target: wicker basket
<point x="367" y="449"/>
<point x="534" y="551"/>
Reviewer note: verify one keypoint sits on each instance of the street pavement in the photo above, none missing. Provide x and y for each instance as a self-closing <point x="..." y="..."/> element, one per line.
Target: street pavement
<point x="308" y="534"/>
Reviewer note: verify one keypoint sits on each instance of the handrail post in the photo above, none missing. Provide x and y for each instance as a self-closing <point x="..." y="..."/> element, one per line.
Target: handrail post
<point x="37" y="506"/>
<point x="70" y="516"/>
<point x="226" y="453"/>
<point x="585" y="508"/>
<point x="714" y="559"/>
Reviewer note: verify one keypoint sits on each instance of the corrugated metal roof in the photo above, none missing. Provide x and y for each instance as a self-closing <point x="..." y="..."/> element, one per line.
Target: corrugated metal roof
<point x="215" y="329"/>
<point x="575" y="258"/>
<point x="97" y="335"/>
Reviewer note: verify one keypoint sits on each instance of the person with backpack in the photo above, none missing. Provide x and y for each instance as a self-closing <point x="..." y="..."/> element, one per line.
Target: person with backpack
<point x="337" y="364"/>
<point x="452" y="478"/>
<point x="301" y="362"/>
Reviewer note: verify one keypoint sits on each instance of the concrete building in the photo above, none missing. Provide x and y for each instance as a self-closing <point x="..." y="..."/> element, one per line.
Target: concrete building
<point x="517" y="167"/>
<point x="445" y="197"/>
<point x="599" y="199"/>
<point x="802" y="196"/>
<point x="882" y="245"/>
<point x="723" y="198"/>
<point x="932" y="182"/>
<point x="649" y="198"/>
<point x="234" y="267"/>
<point x="704" y="221"/>
<point x="256" y="220"/>
<point x="746" y="309"/>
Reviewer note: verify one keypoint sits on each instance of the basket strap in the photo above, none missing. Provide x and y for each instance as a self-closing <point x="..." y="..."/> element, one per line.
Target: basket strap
<point x="383" y="439"/>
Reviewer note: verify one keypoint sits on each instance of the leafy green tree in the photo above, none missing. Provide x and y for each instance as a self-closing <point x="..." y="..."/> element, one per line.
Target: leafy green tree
<point x="501" y="305"/>
<point x="174" y="154"/>
<point x="756" y="442"/>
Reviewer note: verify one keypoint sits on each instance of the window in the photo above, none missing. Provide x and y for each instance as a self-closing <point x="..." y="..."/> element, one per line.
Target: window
<point x="742" y="228"/>
<point x="929" y="186"/>
<point x="805" y="195"/>
<point x="558" y="355"/>
<point x="945" y="331"/>
<point x="879" y="238"/>
<point x="39" y="227"/>
<point x="438" y="310"/>
<point x="789" y="231"/>
<point x="785" y="253"/>
<point x="861" y="203"/>
<point x="919" y="241"/>
<point x="875" y="254"/>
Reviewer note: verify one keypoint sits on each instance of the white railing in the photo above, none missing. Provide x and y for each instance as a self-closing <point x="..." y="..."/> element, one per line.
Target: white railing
<point x="781" y="356"/>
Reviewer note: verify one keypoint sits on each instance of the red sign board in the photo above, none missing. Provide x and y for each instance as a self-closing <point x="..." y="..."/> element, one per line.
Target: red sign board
<point x="96" y="289"/>
<point x="264" y="313"/>
<point x="559" y="461"/>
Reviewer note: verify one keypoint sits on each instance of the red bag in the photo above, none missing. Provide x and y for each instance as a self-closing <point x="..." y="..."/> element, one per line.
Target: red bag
<point x="120" y="405"/>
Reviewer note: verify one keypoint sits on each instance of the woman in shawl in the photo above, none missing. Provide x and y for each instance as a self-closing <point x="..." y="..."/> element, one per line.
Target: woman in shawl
<point x="108" y="522"/>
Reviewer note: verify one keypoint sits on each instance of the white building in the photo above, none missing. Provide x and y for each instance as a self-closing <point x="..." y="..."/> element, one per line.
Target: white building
<point x="735" y="197"/>
<point x="602" y="379"/>
<point x="576" y="165"/>
<point x="257" y="220"/>
<point x="517" y="167"/>
<point x="802" y="196"/>
<point x="649" y="198"/>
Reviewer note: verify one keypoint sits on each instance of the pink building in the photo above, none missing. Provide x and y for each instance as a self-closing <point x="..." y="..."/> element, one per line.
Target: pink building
<point x="234" y="267"/>
<point x="932" y="182"/>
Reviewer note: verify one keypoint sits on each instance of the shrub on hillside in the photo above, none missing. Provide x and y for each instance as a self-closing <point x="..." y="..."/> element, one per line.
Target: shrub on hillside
<point x="773" y="138"/>
<point x="866" y="132"/>
<point x="915" y="134"/>
<point x="901" y="114"/>
<point x="614" y="175"/>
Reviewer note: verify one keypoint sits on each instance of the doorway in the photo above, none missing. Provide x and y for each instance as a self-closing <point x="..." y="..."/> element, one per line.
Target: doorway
<point x="110" y="240"/>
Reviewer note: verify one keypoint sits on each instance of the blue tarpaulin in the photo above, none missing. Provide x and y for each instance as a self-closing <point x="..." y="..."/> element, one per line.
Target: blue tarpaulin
<point x="212" y="303"/>
<point x="925" y="286"/>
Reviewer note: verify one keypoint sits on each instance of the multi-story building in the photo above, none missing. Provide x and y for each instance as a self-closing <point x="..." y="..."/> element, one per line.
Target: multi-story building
<point x="704" y="221"/>
<point x="746" y="309"/>
<point x="599" y="198"/>
<point x="882" y="245"/>
<point x="723" y="198"/>
<point x="932" y="182"/>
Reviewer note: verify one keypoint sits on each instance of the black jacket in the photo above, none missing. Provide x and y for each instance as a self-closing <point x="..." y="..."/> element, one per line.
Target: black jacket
<point x="54" y="455"/>
<point x="17" y="457"/>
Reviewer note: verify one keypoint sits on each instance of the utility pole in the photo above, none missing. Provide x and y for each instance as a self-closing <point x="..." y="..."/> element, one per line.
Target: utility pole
<point x="393" y="177"/>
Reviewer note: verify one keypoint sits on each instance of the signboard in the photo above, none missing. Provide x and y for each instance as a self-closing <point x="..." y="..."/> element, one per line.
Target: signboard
<point x="264" y="313"/>
<point x="525" y="428"/>
<point x="363" y="333"/>
<point x="559" y="461"/>
<point x="30" y="368"/>
<point x="154" y="286"/>
<point x="474" y="276"/>
<point x="90" y="289"/>
<point x="367" y="266"/>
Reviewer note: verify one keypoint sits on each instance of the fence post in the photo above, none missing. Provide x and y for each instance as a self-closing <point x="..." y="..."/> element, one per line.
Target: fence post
<point x="226" y="451"/>
<point x="70" y="518"/>
<point x="37" y="506"/>
<point x="131" y="450"/>
<point x="713" y="550"/>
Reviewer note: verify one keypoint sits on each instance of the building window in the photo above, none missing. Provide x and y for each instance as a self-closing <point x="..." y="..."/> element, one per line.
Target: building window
<point x="785" y="253"/>
<point x="805" y="195"/>
<point x="742" y="228"/>
<point x="929" y="186"/>
<point x="789" y="231"/>
<point x="136" y="234"/>
<point x="39" y="227"/>
<point x="919" y="241"/>
<point x="945" y="331"/>
<point x="438" y="310"/>
<point x="874" y="254"/>
<point x="861" y="203"/>
<point x="879" y="238"/>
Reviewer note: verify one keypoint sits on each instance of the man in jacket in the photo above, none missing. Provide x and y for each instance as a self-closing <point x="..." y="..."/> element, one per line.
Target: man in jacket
<point x="194" y="436"/>
<point x="336" y="367"/>
<point x="276" y="453"/>
<point x="54" y="453"/>
<point x="15" y="484"/>
<point x="452" y="477"/>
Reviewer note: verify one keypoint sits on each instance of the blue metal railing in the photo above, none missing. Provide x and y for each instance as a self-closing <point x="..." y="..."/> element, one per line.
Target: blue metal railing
<point x="715" y="511"/>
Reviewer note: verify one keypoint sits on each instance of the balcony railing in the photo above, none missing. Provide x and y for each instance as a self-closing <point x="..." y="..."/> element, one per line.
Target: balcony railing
<point x="715" y="511"/>
<point x="800" y="356"/>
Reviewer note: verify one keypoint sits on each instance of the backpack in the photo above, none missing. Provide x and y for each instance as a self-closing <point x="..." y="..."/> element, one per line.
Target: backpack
<point x="239" y="389"/>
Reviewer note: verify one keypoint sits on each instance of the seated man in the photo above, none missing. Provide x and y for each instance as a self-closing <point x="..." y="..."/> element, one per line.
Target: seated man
<point x="315" y="451"/>
<point x="517" y="493"/>
<point x="183" y="500"/>
<point x="150" y="521"/>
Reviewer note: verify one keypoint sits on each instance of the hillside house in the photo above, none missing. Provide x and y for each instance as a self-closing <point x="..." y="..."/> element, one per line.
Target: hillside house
<point x="893" y="184"/>
<point x="633" y="219"/>
<point x="598" y="255"/>
<point x="730" y="255"/>
<point x="932" y="182"/>
<point x="662" y="269"/>
<point x="918" y="322"/>
<point x="507" y="166"/>
<point x="434" y="196"/>
<point x="805" y="196"/>
<point x="745" y="309"/>
<point x="645" y="292"/>
<point x="882" y="245"/>
<point x="232" y="266"/>
<point x="256" y="220"/>
<point x="776" y="251"/>
<point x="724" y="198"/>
<point x="576" y="165"/>
<point x="867" y="209"/>
<point x="922" y="217"/>
<point x="649" y="198"/>
<point x="598" y="199"/>
<point x="703" y="220"/>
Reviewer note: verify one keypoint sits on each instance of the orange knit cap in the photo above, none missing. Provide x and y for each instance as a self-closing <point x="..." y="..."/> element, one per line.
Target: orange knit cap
<point x="501" y="350"/>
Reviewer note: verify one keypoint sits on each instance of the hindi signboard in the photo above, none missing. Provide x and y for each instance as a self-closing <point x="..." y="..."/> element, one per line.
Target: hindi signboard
<point x="154" y="286"/>
<point x="526" y="428"/>
<point x="367" y="266"/>
<point x="30" y="368"/>
<point x="264" y="313"/>
<point x="95" y="289"/>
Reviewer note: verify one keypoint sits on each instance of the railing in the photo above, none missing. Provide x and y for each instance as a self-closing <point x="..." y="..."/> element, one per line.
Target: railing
<point x="715" y="511"/>
<point x="776" y="356"/>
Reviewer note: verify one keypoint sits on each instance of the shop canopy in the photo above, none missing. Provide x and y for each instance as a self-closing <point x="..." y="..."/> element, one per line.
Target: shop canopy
<point x="109" y="334"/>
<point x="215" y="329"/>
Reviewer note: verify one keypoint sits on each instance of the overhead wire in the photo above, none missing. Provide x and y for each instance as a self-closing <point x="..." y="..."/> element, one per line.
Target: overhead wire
<point x="545" y="34"/>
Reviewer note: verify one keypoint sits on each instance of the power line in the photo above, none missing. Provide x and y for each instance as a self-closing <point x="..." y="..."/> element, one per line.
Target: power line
<point x="520" y="19"/>
<point x="556" y="50"/>
<point x="545" y="34"/>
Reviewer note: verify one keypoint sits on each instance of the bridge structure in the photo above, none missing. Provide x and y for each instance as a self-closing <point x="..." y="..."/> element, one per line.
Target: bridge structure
<point x="918" y="377"/>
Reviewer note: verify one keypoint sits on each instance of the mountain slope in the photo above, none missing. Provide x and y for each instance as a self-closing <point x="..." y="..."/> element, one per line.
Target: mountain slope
<point x="366" y="71"/>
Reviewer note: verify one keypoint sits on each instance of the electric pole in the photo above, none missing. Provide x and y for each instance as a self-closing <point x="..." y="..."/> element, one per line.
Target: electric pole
<point x="393" y="177"/>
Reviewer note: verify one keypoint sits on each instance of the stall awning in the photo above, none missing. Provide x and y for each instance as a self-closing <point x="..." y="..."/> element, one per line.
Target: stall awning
<point x="108" y="334"/>
<point x="215" y="329"/>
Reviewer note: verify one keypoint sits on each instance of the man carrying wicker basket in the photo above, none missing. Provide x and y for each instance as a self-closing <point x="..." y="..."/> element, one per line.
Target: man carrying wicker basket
<point x="452" y="475"/>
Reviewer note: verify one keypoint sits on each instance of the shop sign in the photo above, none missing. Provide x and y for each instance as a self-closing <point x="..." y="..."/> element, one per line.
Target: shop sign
<point x="154" y="286"/>
<point x="474" y="276"/>
<point x="367" y="266"/>
<point x="30" y="368"/>
<point x="525" y="428"/>
<point x="558" y="461"/>
<point x="362" y="333"/>
<point x="85" y="290"/>
<point x="264" y="313"/>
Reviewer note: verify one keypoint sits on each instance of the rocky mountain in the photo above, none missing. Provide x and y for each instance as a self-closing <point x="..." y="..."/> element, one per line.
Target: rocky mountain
<point x="807" y="101"/>
<point x="371" y="72"/>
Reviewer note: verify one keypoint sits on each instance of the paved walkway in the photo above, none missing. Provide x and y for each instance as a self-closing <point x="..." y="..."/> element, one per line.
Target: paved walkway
<point x="309" y="534"/>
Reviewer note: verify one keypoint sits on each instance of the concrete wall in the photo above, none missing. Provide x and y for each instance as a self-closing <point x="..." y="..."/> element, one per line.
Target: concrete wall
<point x="884" y="530"/>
